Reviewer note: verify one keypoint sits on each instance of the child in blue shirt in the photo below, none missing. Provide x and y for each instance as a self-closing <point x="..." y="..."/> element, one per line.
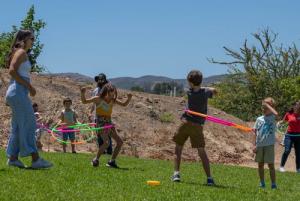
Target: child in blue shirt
<point x="264" y="128"/>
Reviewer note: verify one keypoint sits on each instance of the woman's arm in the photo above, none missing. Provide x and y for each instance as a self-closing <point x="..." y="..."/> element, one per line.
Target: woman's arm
<point x="18" y="58"/>
<point x="129" y="96"/>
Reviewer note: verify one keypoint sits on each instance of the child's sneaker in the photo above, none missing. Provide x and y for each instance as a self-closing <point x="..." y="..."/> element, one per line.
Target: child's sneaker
<point x="15" y="163"/>
<point x="262" y="185"/>
<point x="281" y="169"/>
<point x="273" y="186"/>
<point x="95" y="162"/>
<point x="41" y="164"/>
<point x="210" y="182"/>
<point x="176" y="177"/>
<point x="112" y="164"/>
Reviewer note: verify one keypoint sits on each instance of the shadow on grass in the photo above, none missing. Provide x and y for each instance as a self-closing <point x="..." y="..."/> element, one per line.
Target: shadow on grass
<point x="218" y="186"/>
<point x="129" y="169"/>
<point x="34" y="169"/>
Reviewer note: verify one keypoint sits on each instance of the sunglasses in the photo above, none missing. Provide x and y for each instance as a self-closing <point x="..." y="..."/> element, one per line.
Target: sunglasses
<point x="32" y="39"/>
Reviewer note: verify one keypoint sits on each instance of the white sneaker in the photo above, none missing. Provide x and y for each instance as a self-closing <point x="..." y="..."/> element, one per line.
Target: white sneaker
<point x="281" y="169"/>
<point x="15" y="163"/>
<point x="298" y="171"/>
<point x="40" y="164"/>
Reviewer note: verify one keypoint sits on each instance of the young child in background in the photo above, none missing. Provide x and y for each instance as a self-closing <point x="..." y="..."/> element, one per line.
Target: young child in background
<point x="39" y="130"/>
<point x="264" y="141"/>
<point x="105" y="101"/>
<point x="192" y="126"/>
<point x="68" y="117"/>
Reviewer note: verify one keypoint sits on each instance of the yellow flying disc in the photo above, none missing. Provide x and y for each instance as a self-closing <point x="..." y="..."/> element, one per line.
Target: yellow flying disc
<point x="153" y="183"/>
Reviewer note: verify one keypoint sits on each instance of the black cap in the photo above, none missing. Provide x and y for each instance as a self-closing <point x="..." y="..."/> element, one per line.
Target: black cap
<point x="101" y="76"/>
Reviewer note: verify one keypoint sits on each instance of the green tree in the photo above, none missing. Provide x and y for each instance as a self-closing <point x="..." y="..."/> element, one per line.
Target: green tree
<point x="30" y="23"/>
<point x="166" y="87"/>
<point x="257" y="71"/>
<point x="137" y="88"/>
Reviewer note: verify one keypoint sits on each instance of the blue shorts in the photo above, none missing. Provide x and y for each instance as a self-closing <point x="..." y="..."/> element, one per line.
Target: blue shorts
<point x="68" y="135"/>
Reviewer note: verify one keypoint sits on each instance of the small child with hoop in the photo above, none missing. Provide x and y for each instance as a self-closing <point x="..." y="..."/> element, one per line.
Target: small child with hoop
<point x="105" y="101"/>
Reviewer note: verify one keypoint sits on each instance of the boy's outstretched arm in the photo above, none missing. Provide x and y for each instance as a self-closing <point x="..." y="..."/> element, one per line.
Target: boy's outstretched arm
<point x="129" y="96"/>
<point x="213" y="90"/>
<point x="84" y="100"/>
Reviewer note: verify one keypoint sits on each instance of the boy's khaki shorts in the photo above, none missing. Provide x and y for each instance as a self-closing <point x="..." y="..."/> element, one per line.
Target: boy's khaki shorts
<point x="192" y="130"/>
<point x="265" y="154"/>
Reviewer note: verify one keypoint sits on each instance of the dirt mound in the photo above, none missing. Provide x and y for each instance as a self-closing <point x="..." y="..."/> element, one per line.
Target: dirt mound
<point x="140" y="124"/>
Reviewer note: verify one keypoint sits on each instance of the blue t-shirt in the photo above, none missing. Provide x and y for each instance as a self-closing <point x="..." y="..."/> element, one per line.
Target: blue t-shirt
<point x="265" y="127"/>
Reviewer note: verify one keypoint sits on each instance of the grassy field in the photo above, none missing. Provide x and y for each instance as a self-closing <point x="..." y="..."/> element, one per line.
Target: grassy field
<point x="73" y="178"/>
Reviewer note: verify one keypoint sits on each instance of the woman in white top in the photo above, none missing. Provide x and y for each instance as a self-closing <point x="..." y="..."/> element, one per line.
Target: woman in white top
<point x="22" y="140"/>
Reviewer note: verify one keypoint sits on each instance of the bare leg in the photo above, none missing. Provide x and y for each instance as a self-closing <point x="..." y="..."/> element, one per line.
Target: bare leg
<point x="64" y="147"/>
<point x="261" y="172"/>
<point x="119" y="142"/>
<point x="73" y="146"/>
<point x="272" y="173"/>
<point x="177" y="160"/>
<point x="205" y="161"/>
<point x="104" y="146"/>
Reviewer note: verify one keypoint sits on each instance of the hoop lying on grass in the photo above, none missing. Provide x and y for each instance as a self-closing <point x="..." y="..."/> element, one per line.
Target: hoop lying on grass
<point x="57" y="130"/>
<point x="220" y="121"/>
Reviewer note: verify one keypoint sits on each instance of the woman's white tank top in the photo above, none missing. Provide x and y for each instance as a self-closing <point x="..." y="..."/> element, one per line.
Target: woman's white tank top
<point x="24" y="69"/>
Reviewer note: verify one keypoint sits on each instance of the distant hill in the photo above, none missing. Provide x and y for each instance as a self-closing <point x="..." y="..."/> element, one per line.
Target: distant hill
<point x="77" y="77"/>
<point x="146" y="82"/>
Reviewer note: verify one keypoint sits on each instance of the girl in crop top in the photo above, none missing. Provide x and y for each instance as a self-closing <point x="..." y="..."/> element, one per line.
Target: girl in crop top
<point x="104" y="106"/>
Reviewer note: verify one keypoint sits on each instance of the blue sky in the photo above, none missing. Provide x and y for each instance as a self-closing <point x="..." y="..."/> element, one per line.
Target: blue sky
<point x="157" y="37"/>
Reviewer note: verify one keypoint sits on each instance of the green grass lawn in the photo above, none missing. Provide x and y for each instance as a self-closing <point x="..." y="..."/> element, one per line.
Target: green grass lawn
<point x="73" y="178"/>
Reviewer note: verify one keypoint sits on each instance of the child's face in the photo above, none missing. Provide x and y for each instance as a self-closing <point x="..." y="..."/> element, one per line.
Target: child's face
<point x="67" y="105"/>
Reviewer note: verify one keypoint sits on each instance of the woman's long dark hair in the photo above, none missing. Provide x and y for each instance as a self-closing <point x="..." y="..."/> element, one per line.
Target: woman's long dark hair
<point x="17" y="43"/>
<point x="107" y="88"/>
